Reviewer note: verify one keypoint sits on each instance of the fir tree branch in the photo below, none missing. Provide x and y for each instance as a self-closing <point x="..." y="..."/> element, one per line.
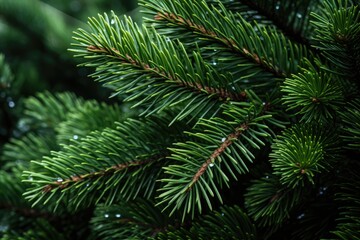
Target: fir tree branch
<point x="62" y="184"/>
<point x="50" y="109"/>
<point x="217" y="152"/>
<point x="260" y="48"/>
<point x="28" y="147"/>
<point x="93" y="116"/>
<point x="230" y="139"/>
<point x="234" y="127"/>
<point x="203" y="166"/>
<point x="313" y="93"/>
<point x="149" y="66"/>
<point x="215" y="36"/>
<point x="221" y="93"/>
<point x="337" y="36"/>
<point x="79" y="172"/>
<point x="269" y="202"/>
<point x="301" y="153"/>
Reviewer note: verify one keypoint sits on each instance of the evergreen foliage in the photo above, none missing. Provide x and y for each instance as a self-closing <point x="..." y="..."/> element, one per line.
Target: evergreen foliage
<point x="35" y="35"/>
<point x="244" y="124"/>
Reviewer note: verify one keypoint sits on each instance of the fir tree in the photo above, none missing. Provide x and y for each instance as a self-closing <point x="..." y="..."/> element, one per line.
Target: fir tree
<point x="244" y="123"/>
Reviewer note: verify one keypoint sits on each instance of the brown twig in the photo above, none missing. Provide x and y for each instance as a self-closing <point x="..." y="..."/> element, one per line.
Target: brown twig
<point x="217" y="152"/>
<point x="223" y="94"/>
<point x="229" y="43"/>
<point x="109" y="171"/>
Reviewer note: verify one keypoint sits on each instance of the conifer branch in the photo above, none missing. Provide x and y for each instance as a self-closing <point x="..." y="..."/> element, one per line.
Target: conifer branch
<point x="224" y="75"/>
<point x="269" y="202"/>
<point x="223" y="94"/>
<point x="217" y="152"/>
<point x="229" y="43"/>
<point x="129" y="154"/>
<point x="62" y="184"/>
<point x="337" y="36"/>
<point x="232" y="153"/>
<point x="149" y="66"/>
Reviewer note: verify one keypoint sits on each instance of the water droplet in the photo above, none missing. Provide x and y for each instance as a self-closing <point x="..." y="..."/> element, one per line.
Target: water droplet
<point x="298" y="15"/>
<point x="214" y="63"/>
<point x="106" y="215"/>
<point x="59" y="180"/>
<point x="267" y="177"/>
<point x="75" y="137"/>
<point x="233" y="88"/>
<point x="112" y="21"/>
<point x="88" y="184"/>
<point x="30" y="178"/>
<point x="11" y="104"/>
<point x="322" y="190"/>
<point x="301" y="216"/>
<point x="118" y="215"/>
<point x="211" y="164"/>
<point x="277" y="7"/>
<point x="222" y="214"/>
<point x="264" y="103"/>
<point x="167" y="39"/>
<point x="223" y="139"/>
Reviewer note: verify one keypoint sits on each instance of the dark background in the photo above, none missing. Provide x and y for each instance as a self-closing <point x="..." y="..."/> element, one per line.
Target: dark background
<point x="34" y="38"/>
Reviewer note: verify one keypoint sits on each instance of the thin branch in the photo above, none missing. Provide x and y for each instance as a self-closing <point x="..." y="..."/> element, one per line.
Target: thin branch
<point x="217" y="152"/>
<point x="222" y="93"/>
<point x="108" y="171"/>
<point x="229" y="43"/>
